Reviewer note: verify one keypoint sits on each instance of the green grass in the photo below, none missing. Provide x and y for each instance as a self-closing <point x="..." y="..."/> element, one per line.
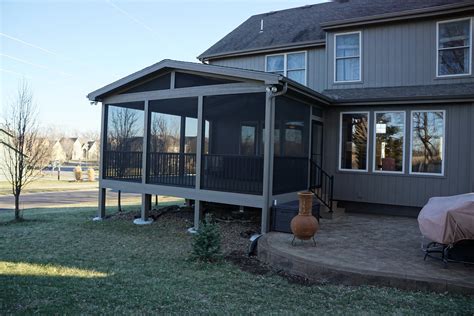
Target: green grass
<point x="49" y="184"/>
<point x="59" y="261"/>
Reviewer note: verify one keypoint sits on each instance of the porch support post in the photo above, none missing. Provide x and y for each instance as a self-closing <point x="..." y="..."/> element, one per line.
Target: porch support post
<point x="102" y="200"/>
<point x="102" y="191"/>
<point x="146" y="198"/>
<point x="197" y="216"/>
<point x="267" y="160"/>
<point x="197" y="203"/>
<point x="145" y="143"/>
<point x="145" y="208"/>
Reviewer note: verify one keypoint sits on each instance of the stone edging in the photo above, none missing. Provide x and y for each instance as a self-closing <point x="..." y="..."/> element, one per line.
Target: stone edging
<point x="319" y="272"/>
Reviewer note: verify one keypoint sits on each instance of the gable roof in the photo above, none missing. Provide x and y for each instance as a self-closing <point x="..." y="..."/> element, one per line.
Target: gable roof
<point x="302" y="27"/>
<point x="238" y="73"/>
<point x="268" y="78"/>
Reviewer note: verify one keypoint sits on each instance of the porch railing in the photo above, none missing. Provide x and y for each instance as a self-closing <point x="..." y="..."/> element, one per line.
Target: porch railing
<point x="232" y="173"/>
<point x="290" y="174"/>
<point x="321" y="184"/>
<point x="123" y="165"/>
<point x="177" y="169"/>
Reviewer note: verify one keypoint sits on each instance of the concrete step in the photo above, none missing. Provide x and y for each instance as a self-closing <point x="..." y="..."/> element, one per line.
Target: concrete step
<point x="337" y="212"/>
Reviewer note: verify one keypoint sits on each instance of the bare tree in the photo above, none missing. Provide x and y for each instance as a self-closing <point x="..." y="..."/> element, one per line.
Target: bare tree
<point x="27" y="153"/>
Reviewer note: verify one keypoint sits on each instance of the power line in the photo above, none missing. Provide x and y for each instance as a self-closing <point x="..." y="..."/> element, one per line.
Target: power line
<point x="129" y="15"/>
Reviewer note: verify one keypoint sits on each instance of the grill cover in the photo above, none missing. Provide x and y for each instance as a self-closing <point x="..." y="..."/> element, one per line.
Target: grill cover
<point x="447" y="220"/>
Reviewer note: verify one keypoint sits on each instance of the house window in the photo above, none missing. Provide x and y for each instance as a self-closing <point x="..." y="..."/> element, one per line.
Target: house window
<point x="427" y="142"/>
<point x="292" y="65"/>
<point x="353" y="143"/>
<point x="247" y="139"/>
<point x="389" y="141"/>
<point x="454" y="48"/>
<point x="347" y="61"/>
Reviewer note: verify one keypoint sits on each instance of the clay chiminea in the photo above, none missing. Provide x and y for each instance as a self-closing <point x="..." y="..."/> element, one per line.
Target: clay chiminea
<point x="305" y="225"/>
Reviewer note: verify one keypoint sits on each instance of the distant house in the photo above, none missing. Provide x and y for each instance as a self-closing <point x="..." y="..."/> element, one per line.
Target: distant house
<point x="75" y="149"/>
<point x="90" y="151"/>
<point x="5" y="150"/>
<point x="72" y="147"/>
<point x="57" y="152"/>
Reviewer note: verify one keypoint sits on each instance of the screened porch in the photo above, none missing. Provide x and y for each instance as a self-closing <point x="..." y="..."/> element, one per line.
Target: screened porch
<point x="232" y="143"/>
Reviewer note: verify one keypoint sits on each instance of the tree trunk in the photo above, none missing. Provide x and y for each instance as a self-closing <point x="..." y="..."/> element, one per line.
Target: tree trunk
<point x="17" y="207"/>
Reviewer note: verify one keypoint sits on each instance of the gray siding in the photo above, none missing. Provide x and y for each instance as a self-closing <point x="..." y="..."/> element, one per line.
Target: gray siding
<point x="405" y="189"/>
<point x="316" y="68"/>
<point x="395" y="55"/>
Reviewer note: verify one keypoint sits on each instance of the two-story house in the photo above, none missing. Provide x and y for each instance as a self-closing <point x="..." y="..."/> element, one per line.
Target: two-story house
<point x="368" y="103"/>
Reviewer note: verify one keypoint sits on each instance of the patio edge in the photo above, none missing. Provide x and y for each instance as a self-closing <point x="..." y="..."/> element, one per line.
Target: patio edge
<point x="324" y="273"/>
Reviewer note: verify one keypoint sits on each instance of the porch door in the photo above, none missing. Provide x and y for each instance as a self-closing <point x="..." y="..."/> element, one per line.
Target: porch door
<point x="317" y="143"/>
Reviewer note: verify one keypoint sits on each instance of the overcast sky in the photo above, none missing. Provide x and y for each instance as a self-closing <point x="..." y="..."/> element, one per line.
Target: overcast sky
<point x="66" y="49"/>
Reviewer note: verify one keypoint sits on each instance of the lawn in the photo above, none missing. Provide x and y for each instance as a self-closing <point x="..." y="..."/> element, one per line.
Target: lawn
<point x="50" y="183"/>
<point x="59" y="261"/>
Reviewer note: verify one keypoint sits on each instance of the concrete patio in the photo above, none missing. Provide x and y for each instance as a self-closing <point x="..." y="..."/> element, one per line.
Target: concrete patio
<point x="366" y="249"/>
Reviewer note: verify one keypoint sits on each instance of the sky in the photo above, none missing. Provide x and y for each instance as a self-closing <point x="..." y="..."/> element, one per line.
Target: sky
<point x="66" y="49"/>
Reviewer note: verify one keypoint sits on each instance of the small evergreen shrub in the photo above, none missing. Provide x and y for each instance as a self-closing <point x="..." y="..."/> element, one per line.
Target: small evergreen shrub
<point x="207" y="241"/>
<point x="78" y="173"/>
<point x="91" y="174"/>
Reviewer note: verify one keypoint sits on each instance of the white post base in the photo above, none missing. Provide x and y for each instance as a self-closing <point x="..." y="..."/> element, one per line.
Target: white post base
<point x="139" y="221"/>
<point x="192" y="231"/>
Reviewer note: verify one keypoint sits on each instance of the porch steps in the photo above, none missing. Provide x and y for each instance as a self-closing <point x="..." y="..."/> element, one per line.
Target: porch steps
<point x="336" y="211"/>
<point x="324" y="211"/>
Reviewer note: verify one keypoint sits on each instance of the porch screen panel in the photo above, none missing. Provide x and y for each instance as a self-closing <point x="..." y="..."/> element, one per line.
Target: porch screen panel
<point x="291" y="141"/>
<point x="231" y="159"/>
<point x="172" y="142"/>
<point x="124" y="146"/>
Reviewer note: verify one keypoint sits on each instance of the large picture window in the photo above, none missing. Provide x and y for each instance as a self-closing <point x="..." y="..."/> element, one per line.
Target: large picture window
<point x="389" y="141"/>
<point x="347" y="61"/>
<point x="292" y="65"/>
<point x="454" y="47"/>
<point x="354" y="141"/>
<point x="427" y="142"/>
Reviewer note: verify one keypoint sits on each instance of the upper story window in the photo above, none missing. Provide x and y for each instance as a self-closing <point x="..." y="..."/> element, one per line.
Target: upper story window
<point x="454" y="44"/>
<point x="347" y="61"/>
<point x="292" y="65"/>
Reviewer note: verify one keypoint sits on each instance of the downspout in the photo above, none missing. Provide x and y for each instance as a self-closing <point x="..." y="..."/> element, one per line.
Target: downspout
<point x="272" y="92"/>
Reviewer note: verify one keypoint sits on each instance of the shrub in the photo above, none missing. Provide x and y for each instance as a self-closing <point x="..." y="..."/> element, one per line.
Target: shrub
<point x="91" y="174"/>
<point x="78" y="173"/>
<point x="207" y="241"/>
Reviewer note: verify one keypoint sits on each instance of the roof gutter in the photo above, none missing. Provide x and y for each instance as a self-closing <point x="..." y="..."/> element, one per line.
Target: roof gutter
<point x="275" y="48"/>
<point x="399" y="16"/>
<point x="406" y="100"/>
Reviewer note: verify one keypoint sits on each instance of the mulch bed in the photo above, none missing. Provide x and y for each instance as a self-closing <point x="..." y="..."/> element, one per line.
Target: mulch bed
<point x="235" y="227"/>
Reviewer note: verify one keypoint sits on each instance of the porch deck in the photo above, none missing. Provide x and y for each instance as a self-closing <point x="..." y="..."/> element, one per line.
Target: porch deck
<point x="366" y="249"/>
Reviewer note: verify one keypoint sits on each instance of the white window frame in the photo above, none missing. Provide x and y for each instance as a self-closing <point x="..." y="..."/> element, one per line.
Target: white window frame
<point x="340" y="141"/>
<point x="469" y="50"/>
<point x="374" y="169"/>
<point x="336" y="58"/>
<point x="285" y="63"/>
<point x="443" y="162"/>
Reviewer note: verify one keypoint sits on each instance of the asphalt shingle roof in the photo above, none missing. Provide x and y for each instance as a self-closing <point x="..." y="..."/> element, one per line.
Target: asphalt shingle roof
<point x="440" y="91"/>
<point x="302" y="24"/>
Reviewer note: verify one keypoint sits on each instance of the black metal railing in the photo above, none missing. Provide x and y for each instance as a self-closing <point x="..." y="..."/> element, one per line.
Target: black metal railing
<point x="321" y="184"/>
<point x="123" y="165"/>
<point x="232" y="173"/>
<point x="177" y="169"/>
<point x="290" y="174"/>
